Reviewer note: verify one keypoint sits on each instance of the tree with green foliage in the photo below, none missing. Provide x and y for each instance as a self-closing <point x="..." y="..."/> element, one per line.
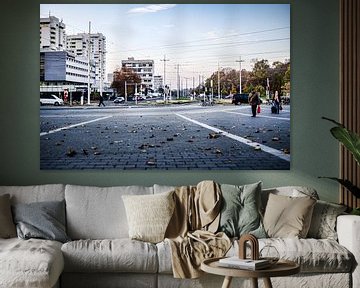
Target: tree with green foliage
<point x="125" y="75"/>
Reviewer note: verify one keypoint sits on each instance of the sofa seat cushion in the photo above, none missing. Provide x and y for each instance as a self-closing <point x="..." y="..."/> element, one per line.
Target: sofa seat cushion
<point x="110" y="255"/>
<point x="30" y="263"/>
<point x="313" y="255"/>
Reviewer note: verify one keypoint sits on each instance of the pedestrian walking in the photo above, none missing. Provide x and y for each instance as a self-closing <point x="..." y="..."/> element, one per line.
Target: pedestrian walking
<point x="254" y="101"/>
<point x="101" y="101"/>
<point x="277" y="102"/>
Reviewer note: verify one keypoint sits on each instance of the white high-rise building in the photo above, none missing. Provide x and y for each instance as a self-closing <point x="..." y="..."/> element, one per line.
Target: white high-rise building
<point x="52" y="34"/>
<point x="144" y="68"/>
<point x="82" y="44"/>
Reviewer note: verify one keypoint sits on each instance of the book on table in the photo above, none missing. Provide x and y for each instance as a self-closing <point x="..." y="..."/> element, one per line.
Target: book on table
<point x="249" y="264"/>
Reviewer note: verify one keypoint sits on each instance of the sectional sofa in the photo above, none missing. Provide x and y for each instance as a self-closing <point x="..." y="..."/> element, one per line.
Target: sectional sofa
<point x="94" y="249"/>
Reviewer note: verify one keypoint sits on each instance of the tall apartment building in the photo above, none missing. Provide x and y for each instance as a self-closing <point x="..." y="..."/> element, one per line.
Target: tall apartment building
<point x="52" y="34"/>
<point x="144" y="68"/>
<point x="82" y="44"/>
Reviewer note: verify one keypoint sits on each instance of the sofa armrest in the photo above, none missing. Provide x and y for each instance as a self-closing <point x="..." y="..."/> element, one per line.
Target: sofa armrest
<point x="348" y="230"/>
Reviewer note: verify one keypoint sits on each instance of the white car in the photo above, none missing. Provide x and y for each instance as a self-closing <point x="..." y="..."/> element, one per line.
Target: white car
<point x="51" y="100"/>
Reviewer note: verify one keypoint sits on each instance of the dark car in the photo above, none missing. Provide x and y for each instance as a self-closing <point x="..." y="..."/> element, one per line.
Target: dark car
<point x="239" y="98"/>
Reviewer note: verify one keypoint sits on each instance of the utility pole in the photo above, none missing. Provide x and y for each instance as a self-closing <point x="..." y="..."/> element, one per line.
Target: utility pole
<point x="164" y="75"/>
<point x="240" y="91"/>
<point x="219" y="96"/>
<point x="178" y="81"/>
<point x="89" y="51"/>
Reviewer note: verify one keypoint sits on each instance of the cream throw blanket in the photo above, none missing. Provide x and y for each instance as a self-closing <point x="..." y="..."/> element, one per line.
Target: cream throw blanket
<point x="191" y="231"/>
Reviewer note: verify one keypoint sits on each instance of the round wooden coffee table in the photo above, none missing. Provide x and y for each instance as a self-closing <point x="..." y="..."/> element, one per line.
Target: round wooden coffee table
<point x="281" y="268"/>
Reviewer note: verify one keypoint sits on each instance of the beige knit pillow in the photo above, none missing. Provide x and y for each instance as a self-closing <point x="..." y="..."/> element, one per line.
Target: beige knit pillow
<point x="149" y="215"/>
<point x="7" y="226"/>
<point x="288" y="217"/>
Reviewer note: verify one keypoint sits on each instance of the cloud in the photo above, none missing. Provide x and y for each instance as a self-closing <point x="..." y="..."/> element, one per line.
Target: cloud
<point x="151" y="8"/>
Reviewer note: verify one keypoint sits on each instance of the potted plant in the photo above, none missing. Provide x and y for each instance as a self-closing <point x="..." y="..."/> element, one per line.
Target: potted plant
<point x="351" y="141"/>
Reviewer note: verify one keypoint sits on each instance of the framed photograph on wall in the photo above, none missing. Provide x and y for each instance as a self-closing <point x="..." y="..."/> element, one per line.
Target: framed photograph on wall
<point x="165" y="86"/>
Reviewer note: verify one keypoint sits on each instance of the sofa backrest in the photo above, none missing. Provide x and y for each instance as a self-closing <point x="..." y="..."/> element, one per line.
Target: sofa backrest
<point x="34" y="193"/>
<point x="98" y="212"/>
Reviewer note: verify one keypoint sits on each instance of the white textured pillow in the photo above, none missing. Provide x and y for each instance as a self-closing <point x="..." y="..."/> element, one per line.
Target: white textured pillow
<point x="323" y="223"/>
<point x="149" y="215"/>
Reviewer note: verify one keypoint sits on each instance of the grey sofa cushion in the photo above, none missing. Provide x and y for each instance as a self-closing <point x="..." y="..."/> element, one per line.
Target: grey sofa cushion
<point x="30" y="263"/>
<point x="98" y="212"/>
<point x="44" y="220"/>
<point x="117" y="255"/>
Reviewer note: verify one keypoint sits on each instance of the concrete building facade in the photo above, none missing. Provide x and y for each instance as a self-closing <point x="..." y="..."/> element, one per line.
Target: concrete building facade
<point x="83" y="45"/>
<point x="145" y="70"/>
<point x="64" y="61"/>
<point x="52" y="34"/>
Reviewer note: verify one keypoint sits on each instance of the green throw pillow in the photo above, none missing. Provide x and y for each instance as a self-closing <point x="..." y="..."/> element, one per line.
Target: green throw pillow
<point x="240" y="213"/>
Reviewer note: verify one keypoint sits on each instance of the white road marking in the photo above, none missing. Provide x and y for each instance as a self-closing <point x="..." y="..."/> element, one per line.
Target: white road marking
<point x="260" y="116"/>
<point x="264" y="148"/>
<point x="74" y="125"/>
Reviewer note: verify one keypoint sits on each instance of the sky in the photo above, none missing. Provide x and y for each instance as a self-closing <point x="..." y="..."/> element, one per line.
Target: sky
<point x="196" y="39"/>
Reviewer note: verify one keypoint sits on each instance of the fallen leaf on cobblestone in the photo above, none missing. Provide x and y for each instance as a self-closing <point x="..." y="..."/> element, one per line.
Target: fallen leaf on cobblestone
<point x="214" y="135"/>
<point x="151" y="162"/>
<point x="71" y="152"/>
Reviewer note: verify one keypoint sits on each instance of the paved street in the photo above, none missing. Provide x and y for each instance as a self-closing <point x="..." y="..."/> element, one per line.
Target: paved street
<point x="191" y="137"/>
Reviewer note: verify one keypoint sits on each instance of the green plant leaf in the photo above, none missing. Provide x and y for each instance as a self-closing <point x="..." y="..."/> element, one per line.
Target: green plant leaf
<point x="348" y="185"/>
<point x="348" y="138"/>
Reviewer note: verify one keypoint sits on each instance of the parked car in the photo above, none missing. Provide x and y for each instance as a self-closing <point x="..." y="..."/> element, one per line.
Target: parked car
<point x="50" y="100"/>
<point x="119" y="100"/>
<point x="239" y="98"/>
